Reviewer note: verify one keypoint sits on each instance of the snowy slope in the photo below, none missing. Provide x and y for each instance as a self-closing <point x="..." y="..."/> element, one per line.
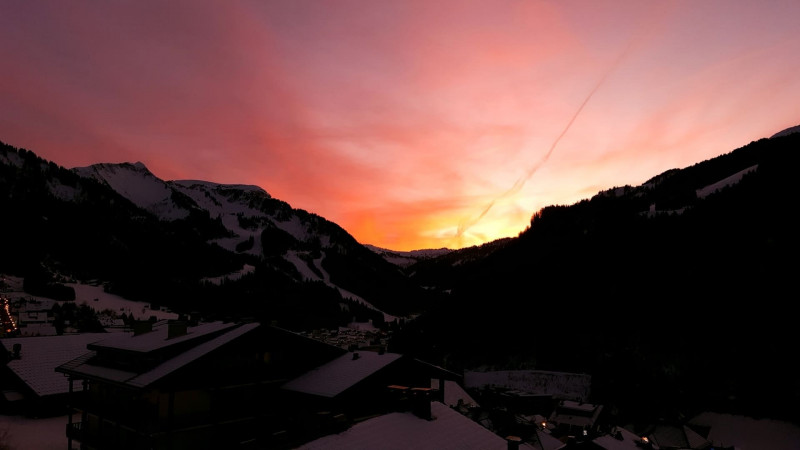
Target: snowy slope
<point x="228" y="203"/>
<point x="407" y="258"/>
<point x="244" y="210"/>
<point x="786" y="132"/>
<point x="136" y="183"/>
<point x="728" y="181"/>
<point x="174" y="200"/>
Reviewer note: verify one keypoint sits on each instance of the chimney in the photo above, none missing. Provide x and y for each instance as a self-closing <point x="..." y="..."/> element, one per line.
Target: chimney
<point x="355" y="356"/>
<point x="398" y="397"/>
<point x="176" y="328"/>
<point x="513" y="442"/>
<point x="421" y="402"/>
<point x="17" y="348"/>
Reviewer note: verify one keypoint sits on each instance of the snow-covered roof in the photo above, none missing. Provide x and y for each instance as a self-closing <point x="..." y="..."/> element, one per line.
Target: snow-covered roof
<point x="158" y="338"/>
<point x="403" y="430"/>
<point x="335" y="377"/>
<point x="41" y="355"/>
<point x="82" y="366"/>
<point x="573" y="413"/>
<point x="193" y="354"/>
<point x="676" y="436"/>
<point x="542" y="440"/>
<point x="748" y="432"/>
<point x="36" y="305"/>
<point x="621" y="439"/>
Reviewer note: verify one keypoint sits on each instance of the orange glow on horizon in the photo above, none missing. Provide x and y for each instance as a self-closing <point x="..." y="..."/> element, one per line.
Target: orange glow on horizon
<point x="413" y="124"/>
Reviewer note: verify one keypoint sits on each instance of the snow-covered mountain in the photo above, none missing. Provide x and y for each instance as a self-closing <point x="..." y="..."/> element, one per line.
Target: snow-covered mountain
<point x="657" y="290"/>
<point x="136" y="183"/>
<point x="247" y="212"/>
<point x="239" y="207"/>
<point x="115" y="218"/>
<point x="408" y="258"/>
<point x="786" y="132"/>
<point x="171" y="242"/>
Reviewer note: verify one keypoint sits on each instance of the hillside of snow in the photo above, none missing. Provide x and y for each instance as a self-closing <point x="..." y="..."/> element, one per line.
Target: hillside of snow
<point x="245" y="211"/>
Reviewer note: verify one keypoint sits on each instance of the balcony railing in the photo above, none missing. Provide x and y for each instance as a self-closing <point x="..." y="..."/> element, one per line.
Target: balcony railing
<point x="109" y="436"/>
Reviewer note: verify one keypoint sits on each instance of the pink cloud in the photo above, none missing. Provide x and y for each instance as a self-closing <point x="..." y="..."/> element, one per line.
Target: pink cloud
<point x="399" y="121"/>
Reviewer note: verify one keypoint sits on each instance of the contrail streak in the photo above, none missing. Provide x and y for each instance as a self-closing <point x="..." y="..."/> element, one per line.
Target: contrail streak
<point x="464" y="226"/>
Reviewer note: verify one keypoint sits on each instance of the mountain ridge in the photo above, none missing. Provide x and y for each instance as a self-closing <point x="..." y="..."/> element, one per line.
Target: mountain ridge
<point x="672" y="293"/>
<point x="262" y="238"/>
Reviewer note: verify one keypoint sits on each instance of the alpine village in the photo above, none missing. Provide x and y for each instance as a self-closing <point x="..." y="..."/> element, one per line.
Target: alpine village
<point x="140" y="313"/>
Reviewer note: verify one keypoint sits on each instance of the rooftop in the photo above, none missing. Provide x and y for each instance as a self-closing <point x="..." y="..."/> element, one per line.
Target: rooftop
<point x="40" y="356"/>
<point x="83" y="366"/>
<point x="333" y="378"/>
<point x="403" y="430"/>
<point x="158" y="338"/>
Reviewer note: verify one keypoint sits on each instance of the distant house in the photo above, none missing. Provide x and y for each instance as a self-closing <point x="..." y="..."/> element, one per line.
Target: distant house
<point x="619" y="439"/>
<point x="35" y="317"/>
<point x="558" y="385"/>
<point x="174" y="386"/>
<point x="575" y="418"/>
<point x="29" y="382"/>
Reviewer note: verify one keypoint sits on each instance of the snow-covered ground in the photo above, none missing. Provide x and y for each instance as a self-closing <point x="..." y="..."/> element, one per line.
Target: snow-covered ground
<point x="24" y="433"/>
<point x="744" y="433"/>
<point x="97" y="299"/>
<point x="246" y="269"/>
<point x="302" y="267"/>
<point x="729" y="181"/>
<point x="100" y="300"/>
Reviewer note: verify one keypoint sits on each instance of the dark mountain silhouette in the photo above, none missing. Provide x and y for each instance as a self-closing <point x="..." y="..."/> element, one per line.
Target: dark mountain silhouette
<point x="674" y="295"/>
<point x="194" y="246"/>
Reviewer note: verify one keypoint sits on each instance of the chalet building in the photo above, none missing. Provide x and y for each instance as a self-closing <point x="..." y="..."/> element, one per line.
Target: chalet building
<point x="30" y="384"/>
<point x="219" y="385"/>
<point x="35" y="317"/>
<point x="209" y="386"/>
<point x="571" y="418"/>
<point x="355" y="386"/>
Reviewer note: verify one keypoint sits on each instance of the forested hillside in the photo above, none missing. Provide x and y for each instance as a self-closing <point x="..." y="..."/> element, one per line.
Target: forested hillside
<point x="669" y="299"/>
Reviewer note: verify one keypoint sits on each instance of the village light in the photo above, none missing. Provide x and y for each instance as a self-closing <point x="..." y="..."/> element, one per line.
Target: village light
<point x="9" y="319"/>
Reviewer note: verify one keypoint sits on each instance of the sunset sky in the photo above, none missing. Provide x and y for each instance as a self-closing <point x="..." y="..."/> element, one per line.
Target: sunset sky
<point x="412" y="124"/>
